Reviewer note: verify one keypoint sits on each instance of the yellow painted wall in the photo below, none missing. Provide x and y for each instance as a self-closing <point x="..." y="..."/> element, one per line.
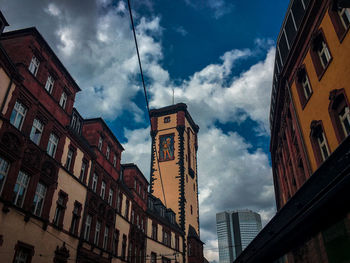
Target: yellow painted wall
<point x="124" y="227"/>
<point x="336" y="76"/>
<point x="4" y="83"/>
<point x="75" y="191"/>
<point x="160" y="249"/>
<point x="14" y="229"/>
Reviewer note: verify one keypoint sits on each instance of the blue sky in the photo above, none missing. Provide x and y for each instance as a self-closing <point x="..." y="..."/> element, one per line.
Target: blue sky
<point x="217" y="56"/>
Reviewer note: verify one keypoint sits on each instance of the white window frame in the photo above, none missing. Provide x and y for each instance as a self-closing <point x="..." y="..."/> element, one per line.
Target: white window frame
<point x="49" y="84"/>
<point x="322" y="144"/>
<point x="110" y="196"/>
<point x="103" y="189"/>
<point x="345" y="118"/>
<point x="114" y="161"/>
<point x="22" y="186"/>
<point x="39" y="199"/>
<point x="4" y="169"/>
<point x="52" y="145"/>
<point x="87" y="228"/>
<point x="63" y="100"/>
<point x="344" y="12"/>
<point x="37" y="131"/>
<point x="94" y="182"/>
<point x="82" y="171"/>
<point x="18" y="115"/>
<point x="105" y="238"/>
<point x="97" y="232"/>
<point x="108" y="150"/>
<point x="100" y="141"/>
<point x="306" y="87"/>
<point x="324" y="52"/>
<point x="69" y="158"/>
<point x="34" y="65"/>
<point x="22" y="256"/>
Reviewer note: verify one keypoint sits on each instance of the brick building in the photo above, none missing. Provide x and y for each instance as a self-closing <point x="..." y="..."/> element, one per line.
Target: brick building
<point x="64" y="194"/>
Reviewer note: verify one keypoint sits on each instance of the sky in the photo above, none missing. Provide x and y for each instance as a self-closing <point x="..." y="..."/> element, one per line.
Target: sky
<point x="217" y="56"/>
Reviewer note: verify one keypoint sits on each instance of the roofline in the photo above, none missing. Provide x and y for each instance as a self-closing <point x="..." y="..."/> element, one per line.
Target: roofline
<point x="99" y="119"/>
<point x="3" y="18"/>
<point x="132" y="165"/>
<point x="173" y="109"/>
<point x="33" y="31"/>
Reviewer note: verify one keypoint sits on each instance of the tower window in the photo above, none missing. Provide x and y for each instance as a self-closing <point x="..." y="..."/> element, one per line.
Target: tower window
<point x="167" y="119"/>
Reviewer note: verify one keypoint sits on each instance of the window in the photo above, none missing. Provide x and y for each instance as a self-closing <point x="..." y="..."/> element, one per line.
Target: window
<point x="39" y="199"/>
<point x="153" y="257"/>
<point x="191" y="210"/>
<point x="82" y="171"/>
<point x="115" y="243"/>
<point x="119" y="202"/>
<point x="63" y="100"/>
<point x="87" y="229"/>
<point x="60" y="209"/>
<point x="177" y="243"/>
<point x="24" y="253"/>
<point x="18" y="114"/>
<point x="103" y="190"/>
<point x="132" y="216"/>
<point x="319" y="142"/>
<point x="110" y="197"/>
<point x="344" y="15"/>
<point x="127" y="209"/>
<point x="303" y="86"/>
<point x="189" y="249"/>
<point x="340" y="18"/>
<point x="4" y="168"/>
<point x="344" y="117"/>
<point x="34" y="65"/>
<point x="166" y="119"/>
<point x="339" y="113"/>
<point x="75" y="218"/>
<point x="105" y="238"/>
<point x="123" y="247"/>
<point x="97" y="232"/>
<point x="52" y="145"/>
<point x="100" y="141"/>
<point x="94" y="182"/>
<point x="36" y="132"/>
<point x="108" y="152"/>
<point x="49" y="84"/>
<point x="320" y="53"/>
<point x="166" y="237"/>
<point x="20" y="189"/>
<point x="138" y="221"/>
<point x="154" y="231"/>
<point x="69" y="159"/>
<point x="114" y="160"/>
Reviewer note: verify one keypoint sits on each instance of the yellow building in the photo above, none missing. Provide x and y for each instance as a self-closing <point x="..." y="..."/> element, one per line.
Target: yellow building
<point x="174" y="177"/>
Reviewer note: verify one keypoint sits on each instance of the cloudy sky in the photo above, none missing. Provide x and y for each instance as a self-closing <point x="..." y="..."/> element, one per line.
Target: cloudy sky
<point x="217" y="56"/>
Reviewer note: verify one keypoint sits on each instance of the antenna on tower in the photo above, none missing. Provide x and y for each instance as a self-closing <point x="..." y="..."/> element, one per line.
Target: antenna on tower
<point x="173" y="96"/>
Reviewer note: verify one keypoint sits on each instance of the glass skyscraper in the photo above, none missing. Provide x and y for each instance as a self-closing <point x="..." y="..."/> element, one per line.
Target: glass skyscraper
<point x="236" y="229"/>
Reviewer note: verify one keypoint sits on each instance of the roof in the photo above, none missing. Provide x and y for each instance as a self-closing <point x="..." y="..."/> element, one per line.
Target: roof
<point x="173" y="109"/>
<point x="34" y="32"/>
<point x="193" y="233"/>
<point x="2" y="17"/>
<point x="132" y="165"/>
<point x="92" y="120"/>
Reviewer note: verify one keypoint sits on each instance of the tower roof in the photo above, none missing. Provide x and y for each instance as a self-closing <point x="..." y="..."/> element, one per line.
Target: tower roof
<point x="174" y="109"/>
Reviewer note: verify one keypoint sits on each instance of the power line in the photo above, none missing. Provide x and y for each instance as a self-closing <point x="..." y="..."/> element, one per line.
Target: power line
<point x="145" y="93"/>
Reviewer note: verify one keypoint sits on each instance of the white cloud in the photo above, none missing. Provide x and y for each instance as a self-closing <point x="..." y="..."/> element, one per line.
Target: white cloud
<point x="181" y="30"/>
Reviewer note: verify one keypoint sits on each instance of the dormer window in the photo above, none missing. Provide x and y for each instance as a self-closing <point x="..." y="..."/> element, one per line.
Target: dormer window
<point x="34" y="66"/>
<point x="63" y="100"/>
<point x="49" y="84"/>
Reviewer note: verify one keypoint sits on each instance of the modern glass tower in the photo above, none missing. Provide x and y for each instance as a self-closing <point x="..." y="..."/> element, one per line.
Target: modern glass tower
<point x="236" y="229"/>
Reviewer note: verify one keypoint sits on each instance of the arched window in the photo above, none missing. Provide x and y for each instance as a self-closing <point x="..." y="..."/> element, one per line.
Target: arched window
<point x="339" y="113"/>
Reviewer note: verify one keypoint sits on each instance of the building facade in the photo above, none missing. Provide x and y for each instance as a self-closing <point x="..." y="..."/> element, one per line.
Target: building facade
<point x="236" y="229"/>
<point x="174" y="176"/>
<point x="310" y="126"/>
<point x="64" y="194"/>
